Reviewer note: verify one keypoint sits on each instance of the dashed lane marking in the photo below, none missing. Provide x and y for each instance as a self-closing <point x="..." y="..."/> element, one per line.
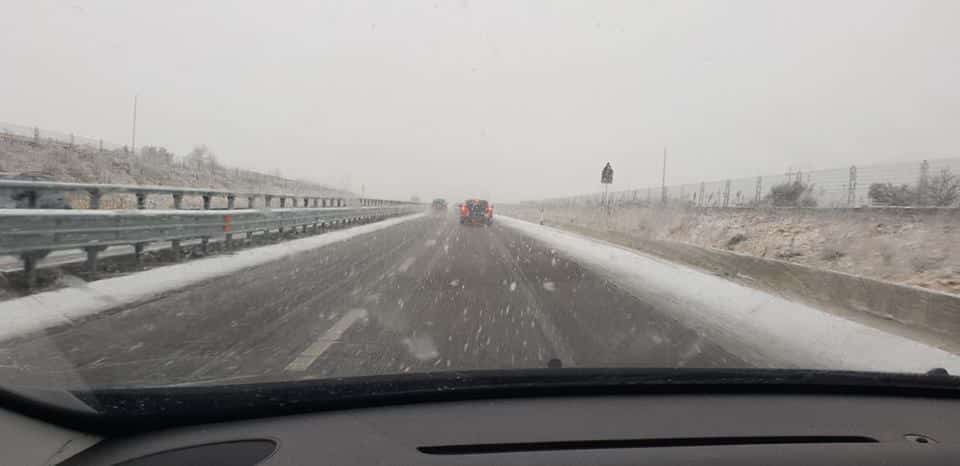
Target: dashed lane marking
<point x="331" y="336"/>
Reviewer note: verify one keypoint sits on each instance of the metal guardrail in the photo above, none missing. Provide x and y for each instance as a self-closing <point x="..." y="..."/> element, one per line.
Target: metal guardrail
<point x="33" y="233"/>
<point x="30" y="190"/>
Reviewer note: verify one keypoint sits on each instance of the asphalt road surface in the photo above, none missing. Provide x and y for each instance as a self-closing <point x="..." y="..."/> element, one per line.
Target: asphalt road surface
<point x="425" y="295"/>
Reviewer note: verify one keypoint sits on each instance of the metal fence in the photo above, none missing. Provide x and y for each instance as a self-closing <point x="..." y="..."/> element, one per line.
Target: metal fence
<point x="45" y="136"/>
<point x="32" y="194"/>
<point x="829" y="188"/>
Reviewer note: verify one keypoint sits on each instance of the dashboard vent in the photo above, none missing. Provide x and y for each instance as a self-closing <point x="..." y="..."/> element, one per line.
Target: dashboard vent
<point x="481" y="448"/>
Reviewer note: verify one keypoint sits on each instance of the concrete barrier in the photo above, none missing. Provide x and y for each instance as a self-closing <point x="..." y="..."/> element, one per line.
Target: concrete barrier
<point x="929" y="312"/>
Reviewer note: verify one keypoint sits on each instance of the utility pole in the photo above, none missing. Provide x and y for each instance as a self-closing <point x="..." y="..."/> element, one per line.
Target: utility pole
<point x="663" y="178"/>
<point x="133" y="137"/>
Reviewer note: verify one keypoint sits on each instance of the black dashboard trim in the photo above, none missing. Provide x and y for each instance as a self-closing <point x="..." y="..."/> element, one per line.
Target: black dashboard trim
<point x="132" y="410"/>
<point x="485" y="448"/>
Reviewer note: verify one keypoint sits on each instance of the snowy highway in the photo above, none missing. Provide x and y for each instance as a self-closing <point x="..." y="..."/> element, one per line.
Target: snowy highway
<point x="429" y="294"/>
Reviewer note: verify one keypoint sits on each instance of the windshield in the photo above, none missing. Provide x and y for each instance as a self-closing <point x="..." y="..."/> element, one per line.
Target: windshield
<point x="222" y="193"/>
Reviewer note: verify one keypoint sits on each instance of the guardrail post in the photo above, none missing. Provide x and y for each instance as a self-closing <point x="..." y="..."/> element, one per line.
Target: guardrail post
<point x="175" y="249"/>
<point x="267" y="200"/>
<point x="205" y="245"/>
<point x="206" y="201"/>
<point x="306" y="202"/>
<point x="92" y="253"/>
<point x="30" y="261"/>
<point x="141" y="200"/>
<point x="138" y="252"/>
<point x="283" y="202"/>
<point x="231" y="201"/>
<point x="29" y="270"/>
<point x="250" y="201"/>
<point x="95" y="198"/>
<point x="178" y="201"/>
<point x="32" y="199"/>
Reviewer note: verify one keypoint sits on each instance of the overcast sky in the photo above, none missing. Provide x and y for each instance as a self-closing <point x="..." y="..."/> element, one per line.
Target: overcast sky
<point x="503" y="99"/>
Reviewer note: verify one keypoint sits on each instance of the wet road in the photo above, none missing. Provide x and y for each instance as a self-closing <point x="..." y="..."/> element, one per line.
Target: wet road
<point x="427" y="294"/>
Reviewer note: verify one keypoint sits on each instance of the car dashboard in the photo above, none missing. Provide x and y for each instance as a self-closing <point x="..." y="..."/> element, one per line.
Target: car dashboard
<point x="661" y="429"/>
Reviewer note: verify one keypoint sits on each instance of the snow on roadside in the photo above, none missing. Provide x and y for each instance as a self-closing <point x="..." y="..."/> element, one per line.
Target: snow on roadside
<point x="37" y="312"/>
<point x="764" y="329"/>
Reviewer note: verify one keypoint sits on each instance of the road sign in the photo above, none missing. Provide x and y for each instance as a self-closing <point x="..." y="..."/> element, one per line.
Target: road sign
<point x="606" y="176"/>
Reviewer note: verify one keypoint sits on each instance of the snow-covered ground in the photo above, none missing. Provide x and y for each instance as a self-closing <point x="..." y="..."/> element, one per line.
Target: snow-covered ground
<point x="911" y="248"/>
<point x="765" y="329"/>
<point x="36" y="312"/>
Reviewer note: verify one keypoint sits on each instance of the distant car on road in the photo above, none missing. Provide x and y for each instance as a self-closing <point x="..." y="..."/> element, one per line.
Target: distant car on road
<point x="474" y="211"/>
<point x="439" y="205"/>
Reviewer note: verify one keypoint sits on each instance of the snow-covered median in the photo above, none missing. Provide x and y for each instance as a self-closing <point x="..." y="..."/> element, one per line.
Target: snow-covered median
<point x="36" y="312"/>
<point x="764" y="329"/>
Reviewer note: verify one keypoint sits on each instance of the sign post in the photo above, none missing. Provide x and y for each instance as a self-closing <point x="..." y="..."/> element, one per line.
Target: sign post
<point x="606" y="178"/>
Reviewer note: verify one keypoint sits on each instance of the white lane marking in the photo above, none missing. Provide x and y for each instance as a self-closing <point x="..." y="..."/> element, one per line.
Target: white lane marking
<point x="406" y="264"/>
<point x="331" y="336"/>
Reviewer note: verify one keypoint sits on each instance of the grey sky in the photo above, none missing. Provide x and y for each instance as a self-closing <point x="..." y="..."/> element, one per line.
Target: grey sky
<point x="504" y="99"/>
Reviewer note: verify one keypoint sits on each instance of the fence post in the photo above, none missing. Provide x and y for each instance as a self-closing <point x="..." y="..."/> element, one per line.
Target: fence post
<point x="923" y="183"/>
<point x="759" y="192"/>
<point x="852" y="187"/>
<point x="726" y="193"/>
